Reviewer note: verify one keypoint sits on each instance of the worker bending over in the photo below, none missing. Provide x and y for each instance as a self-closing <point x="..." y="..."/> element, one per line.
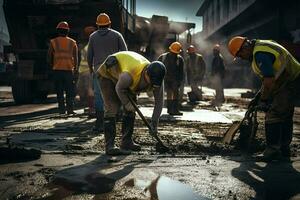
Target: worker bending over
<point x="279" y="72"/>
<point x="124" y="74"/>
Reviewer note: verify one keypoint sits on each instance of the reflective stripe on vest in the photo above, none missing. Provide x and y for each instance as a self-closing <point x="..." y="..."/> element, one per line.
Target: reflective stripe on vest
<point x="63" y="53"/>
<point x="283" y="59"/>
<point x="128" y="61"/>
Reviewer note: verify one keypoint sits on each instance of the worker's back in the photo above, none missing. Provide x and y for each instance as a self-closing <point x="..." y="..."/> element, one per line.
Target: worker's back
<point x="103" y="43"/>
<point x="63" y="48"/>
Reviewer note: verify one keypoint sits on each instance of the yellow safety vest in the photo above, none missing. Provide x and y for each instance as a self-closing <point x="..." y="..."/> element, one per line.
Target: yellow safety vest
<point x="84" y="67"/>
<point x="284" y="61"/>
<point x="128" y="61"/>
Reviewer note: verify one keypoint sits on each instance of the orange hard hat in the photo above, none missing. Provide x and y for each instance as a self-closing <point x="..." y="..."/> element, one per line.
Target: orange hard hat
<point x="217" y="47"/>
<point x="88" y="30"/>
<point x="63" y="25"/>
<point x="235" y="44"/>
<point x="175" y="47"/>
<point x="103" y="19"/>
<point x="191" y="49"/>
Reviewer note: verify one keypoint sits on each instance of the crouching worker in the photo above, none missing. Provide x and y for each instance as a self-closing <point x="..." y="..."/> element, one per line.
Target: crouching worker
<point x="122" y="74"/>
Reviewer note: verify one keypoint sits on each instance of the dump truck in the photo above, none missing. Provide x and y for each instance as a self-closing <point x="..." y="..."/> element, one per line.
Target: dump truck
<point x="31" y="25"/>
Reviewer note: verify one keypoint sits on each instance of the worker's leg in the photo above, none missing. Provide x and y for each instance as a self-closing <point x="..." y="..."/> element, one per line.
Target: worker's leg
<point x="69" y="87"/>
<point x="175" y="101"/>
<point x="279" y="123"/>
<point x="196" y="90"/>
<point x="219" y="90"/>
<point x="127" y="132"/>
<point x="59" y="86"/>
<point x="170" y="97"/>
<point x="111" y="105"/>
<point x="98" y="105"/>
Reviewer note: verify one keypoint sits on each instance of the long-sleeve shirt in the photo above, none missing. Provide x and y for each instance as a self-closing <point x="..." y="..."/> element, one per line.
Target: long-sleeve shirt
<point x="103" y="43"/>
<point x="125" y="81"/>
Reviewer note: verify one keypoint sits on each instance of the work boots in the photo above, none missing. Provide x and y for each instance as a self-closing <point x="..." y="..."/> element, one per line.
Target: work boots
<point x="127" y="131"/>
<point x="110" y="134"/>
<point x="273" y="137"/>
<point x="175" y="105"/>
<point x="172" y="106"/>
<point x="99" y="122"/>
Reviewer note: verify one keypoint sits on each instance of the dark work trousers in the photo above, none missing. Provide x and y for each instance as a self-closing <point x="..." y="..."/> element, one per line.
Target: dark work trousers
<point x="64" y="83"/>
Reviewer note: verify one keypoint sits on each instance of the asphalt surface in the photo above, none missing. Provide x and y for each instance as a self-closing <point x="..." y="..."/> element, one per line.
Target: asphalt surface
<point x="68" y="161"/>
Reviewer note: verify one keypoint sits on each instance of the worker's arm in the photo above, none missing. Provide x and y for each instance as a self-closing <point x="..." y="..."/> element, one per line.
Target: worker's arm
<point x="122" y="44"/>
<point x="90" y="55"/>
<point x="202" y="66"/>
<point x="158" y="105"/>
<point x="181" y="69"/>
<point x="122" y="87"/>
<point x="265" y="63"/>
<point x="50" y="56"/>
<point x="75" y="56"/>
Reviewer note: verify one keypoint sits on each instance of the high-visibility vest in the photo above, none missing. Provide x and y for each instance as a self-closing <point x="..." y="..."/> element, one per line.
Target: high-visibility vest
<point x="63" y="53"/>
<point x="128" y="61"/>
<point x="284" y="61"/>
<point x="84" y="67"/>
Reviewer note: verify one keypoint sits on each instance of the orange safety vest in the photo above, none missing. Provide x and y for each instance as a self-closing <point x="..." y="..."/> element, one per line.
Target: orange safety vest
<point x="63" y="53"/>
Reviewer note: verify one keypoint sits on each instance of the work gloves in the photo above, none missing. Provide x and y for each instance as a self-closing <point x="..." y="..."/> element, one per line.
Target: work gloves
<point x="129" y="107"/>
<point x="263" y="106"/>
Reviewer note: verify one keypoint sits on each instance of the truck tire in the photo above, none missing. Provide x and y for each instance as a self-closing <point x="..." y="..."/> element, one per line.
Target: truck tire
<point x="22" y="91"/>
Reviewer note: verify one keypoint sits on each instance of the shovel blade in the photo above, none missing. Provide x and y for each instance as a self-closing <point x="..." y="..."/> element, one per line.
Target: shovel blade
<point x="231" y="131"/>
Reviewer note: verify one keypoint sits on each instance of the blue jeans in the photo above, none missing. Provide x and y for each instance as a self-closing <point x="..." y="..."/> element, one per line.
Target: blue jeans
<point x="97" y="94"/>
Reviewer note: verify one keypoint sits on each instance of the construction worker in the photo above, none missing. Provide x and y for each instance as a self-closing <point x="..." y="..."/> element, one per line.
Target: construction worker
<point x="279" y="72"/>
<point x="174" y="77"/>
<point x="63" y="57"/>
<point x="122" y="74"/>
<point x="217" y="75"/>
<point x="196" y="67"/>
<point x="84" y="85"/>
<point x="102" y="43"/>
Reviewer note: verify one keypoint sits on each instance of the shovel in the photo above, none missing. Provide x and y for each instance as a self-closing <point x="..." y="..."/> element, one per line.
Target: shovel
<point x="230" y="133"/>
<point x="160" y="147"/>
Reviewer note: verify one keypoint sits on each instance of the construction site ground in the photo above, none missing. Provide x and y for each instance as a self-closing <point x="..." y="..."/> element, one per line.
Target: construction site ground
<point x="47" y="156"/>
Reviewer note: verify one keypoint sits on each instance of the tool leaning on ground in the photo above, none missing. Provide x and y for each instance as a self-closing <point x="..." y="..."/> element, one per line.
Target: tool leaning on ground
<point x="160" y="147"/>
<point x="251" y="116"/>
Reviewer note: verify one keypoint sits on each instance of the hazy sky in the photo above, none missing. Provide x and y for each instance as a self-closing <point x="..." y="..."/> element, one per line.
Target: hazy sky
<point x="176" y="10"/>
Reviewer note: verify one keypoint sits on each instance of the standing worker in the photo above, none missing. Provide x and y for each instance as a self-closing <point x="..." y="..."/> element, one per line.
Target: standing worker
<point x="63" y="57"/>
<point x="174" y="77"/>
<point x="84" y="85"/>
<point x="280" y="74"/>
<point x="217" y="75"/>
<point x="102" y="43"/>
<point x="125" y="74"/>
<point x="195" y="71"/>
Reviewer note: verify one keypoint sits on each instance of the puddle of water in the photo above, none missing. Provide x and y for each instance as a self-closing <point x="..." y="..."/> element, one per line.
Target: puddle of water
<point x="164" y="188"/>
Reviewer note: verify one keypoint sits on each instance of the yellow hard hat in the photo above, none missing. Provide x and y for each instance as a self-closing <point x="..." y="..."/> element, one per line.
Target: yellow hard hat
<point x="175" y="47"/>
<point x="88" y="30"/>
<point x="191" y="49"/>
<point x="235" y="44"/>
<point x="63" y="25"/>
<point x="103" y="19"/>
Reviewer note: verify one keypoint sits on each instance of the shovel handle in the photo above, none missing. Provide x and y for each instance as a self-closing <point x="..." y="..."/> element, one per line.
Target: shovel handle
<point x="139" y="112"/>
